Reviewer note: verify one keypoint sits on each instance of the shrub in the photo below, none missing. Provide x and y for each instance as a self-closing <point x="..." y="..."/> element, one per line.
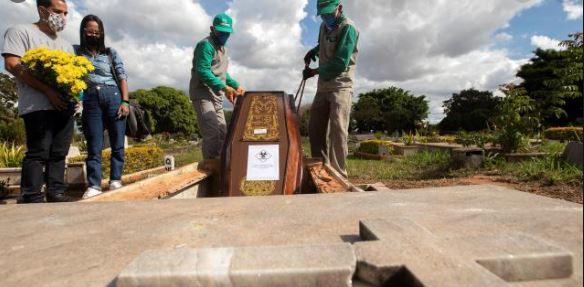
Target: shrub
<point x="170" y="110"/>
<point x="373" y="146"/>
<point x="408" y="139"/>
<point x="479" y="139"/>
<point x="564" y="134"/>
<point x="136" y="159"/>
<point x="11" y="155"/>
<point x="517" y="119"/>
<point x="13" y="131"/>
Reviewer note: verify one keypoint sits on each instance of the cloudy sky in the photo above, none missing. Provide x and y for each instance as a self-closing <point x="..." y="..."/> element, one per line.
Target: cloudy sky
<point x="430" y="47"/>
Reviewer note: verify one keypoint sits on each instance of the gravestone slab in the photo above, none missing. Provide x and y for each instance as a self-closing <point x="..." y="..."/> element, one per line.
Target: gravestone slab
<point x="294" y="266"/>
<point x="90" y="244"/>
<point x="401" y="245"/>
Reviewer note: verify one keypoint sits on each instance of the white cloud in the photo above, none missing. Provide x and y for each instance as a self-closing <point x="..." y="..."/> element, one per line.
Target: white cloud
<point x="435" y="50"/>
<point x="503" y="37"/>
<point x="573" y="9"/>
<point x="545" y="42"/>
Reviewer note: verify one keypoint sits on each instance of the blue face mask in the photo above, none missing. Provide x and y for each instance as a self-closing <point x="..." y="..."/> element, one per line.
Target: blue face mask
<point x="329" y="20"/>
<point x="222" y="38"/>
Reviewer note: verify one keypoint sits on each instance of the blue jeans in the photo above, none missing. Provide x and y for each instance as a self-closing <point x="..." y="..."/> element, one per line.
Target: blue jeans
<point x="100" y="111"/>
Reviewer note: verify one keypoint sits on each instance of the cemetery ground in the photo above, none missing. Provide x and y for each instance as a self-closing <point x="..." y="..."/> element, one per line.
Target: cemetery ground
<point x="543" y="176"/>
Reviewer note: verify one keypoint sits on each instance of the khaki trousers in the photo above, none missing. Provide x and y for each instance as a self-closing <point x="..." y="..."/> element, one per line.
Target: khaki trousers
<point x="211" y="120"/>
<point x="329" y="120"/>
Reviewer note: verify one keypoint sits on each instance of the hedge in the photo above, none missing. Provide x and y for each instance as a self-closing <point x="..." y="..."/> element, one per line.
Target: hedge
<point x="372" y="146"/>
<point x="564" y="134"/>
<point x="136" y="159"/>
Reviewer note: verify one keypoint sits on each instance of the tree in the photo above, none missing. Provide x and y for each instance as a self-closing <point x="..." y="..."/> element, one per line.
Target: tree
<point x="391" y="109"/>
<point x="8" y="99"/>
<point x="554" y="80"/>
<point x="469" y="110"/>
<point x="169" y="109"/>
<point x="516" y="119"/>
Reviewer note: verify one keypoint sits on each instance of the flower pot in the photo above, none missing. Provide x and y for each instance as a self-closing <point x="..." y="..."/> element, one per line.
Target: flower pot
<point x="11" y="175"/>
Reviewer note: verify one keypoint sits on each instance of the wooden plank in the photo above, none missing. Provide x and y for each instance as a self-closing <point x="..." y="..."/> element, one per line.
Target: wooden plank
<point x="158" y="187"/>
<point x="326" y="179"/>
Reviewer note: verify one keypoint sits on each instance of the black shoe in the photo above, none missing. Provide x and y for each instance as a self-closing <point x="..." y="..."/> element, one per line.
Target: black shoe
<point x="59" y="197"/>
<point x="25" y="199"/>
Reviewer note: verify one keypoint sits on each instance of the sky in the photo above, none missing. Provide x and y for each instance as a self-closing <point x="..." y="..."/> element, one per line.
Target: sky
<point x="429" y="47"/>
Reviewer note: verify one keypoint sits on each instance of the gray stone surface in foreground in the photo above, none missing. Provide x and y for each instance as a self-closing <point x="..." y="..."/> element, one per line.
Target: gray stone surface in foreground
<point x="432" y="237"/>
<point x="295" y="266"/>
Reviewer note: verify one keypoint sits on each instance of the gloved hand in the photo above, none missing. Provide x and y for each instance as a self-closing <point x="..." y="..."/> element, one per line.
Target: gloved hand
<point x="310" y="56"/>
<point x="240" y="92"/>
<point x="309" y="73"/>
<point x="230" y="93"/>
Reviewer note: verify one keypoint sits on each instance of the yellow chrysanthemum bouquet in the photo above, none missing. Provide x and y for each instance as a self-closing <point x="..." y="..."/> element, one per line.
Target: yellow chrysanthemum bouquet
<point x="63" y="71"/>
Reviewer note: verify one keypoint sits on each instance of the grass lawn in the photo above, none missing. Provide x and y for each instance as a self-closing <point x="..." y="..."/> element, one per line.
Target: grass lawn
<point x="547" y="176"/>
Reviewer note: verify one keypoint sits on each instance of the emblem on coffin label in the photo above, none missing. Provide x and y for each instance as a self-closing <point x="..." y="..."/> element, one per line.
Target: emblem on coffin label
<point x="262" y="122"/>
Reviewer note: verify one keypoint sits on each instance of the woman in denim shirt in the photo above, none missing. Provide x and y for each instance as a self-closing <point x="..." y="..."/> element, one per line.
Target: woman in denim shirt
<point x="105" y="105"/>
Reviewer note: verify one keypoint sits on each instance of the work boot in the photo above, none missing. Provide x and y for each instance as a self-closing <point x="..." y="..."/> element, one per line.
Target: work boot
<point x="58" y="197"/>
<point x="30" y="198"/>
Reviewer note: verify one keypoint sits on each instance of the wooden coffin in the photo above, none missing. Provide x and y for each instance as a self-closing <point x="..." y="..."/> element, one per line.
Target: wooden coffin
<point x="262" y="154"/>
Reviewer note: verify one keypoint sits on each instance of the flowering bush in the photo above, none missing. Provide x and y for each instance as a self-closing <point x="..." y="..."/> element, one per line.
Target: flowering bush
<point x="564" y="134"/>
<point x="63" y="71"/>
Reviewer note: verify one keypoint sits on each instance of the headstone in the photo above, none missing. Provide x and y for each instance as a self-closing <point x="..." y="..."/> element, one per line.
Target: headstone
<point x="262" y="154"/>
<point x="574" y="153"/>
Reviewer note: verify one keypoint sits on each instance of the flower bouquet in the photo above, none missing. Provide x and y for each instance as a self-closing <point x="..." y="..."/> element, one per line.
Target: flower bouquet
<point x="63" y="71"/>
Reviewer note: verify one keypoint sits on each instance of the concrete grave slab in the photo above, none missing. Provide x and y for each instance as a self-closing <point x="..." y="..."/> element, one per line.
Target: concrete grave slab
<point x="487" y="260"/>
<point x="295" y="266"/>
<point x="89" y="244"/>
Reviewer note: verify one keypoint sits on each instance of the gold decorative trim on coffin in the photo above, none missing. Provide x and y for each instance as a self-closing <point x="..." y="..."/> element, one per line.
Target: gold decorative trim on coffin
<point x="262" y="121"/>
<point x="257" y="188"/>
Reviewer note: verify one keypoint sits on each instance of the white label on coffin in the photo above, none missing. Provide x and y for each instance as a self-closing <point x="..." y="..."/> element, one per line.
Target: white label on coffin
<point x="260" y="131"/>
<point x="263" y="162"/>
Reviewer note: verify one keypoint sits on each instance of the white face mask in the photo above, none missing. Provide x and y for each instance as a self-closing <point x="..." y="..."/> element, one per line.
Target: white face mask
<point x="55" y="21"/>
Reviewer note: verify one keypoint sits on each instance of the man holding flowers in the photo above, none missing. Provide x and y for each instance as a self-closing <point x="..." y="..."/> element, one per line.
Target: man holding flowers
<point x="49" y="127"/>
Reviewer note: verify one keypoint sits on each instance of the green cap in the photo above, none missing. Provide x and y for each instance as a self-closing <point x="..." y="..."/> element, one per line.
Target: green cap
<point x="223" y="23"/>
<point x="327" y="6"/>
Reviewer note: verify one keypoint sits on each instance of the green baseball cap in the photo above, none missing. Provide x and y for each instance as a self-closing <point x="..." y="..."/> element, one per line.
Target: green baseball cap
<point x="223" y="23"/>
<point x="327" y="6"/>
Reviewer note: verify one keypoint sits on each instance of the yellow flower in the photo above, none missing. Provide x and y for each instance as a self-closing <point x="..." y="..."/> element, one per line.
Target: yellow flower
<point x="63" y="71"/>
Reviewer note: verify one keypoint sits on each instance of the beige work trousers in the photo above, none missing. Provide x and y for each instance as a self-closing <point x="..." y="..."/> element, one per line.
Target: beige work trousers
<point x="211" y="121"/>
<point x="329" y="120"/>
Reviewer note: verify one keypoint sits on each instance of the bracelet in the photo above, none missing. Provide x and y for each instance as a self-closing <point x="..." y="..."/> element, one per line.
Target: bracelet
<point x="125" y="103"/>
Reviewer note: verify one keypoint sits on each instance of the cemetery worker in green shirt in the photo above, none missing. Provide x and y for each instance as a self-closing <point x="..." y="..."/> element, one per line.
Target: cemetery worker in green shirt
<point x="210" y="81"/>
<point x="337" y="58"/>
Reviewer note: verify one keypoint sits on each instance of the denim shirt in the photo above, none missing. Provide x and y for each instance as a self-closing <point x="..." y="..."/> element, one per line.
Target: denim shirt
<point x="102" y="74"/>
